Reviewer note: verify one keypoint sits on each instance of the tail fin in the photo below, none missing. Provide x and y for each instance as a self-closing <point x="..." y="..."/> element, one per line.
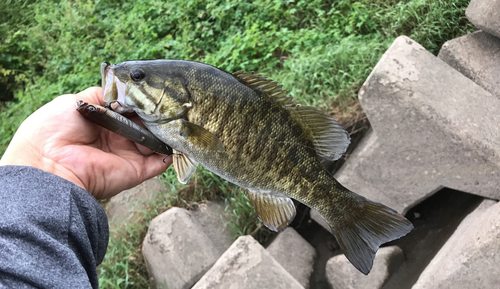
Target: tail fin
<point x="373" y="225"/>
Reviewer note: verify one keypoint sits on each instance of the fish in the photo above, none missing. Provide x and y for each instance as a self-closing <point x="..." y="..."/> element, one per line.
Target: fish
<point x="244" y="127"/>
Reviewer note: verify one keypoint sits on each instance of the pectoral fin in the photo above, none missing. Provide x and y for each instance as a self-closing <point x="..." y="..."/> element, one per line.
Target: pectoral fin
<point x="200" y="138"/>
<point x="184" y="166"/>
<point x="185" y="136"/>
<point x="275" y="212"/>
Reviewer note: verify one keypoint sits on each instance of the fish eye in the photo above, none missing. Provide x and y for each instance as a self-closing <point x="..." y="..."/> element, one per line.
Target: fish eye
<point x="137" y="74"/>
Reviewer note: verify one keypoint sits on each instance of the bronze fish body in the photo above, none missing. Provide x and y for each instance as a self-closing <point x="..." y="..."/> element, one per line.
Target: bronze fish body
<point x="244" y="128"/>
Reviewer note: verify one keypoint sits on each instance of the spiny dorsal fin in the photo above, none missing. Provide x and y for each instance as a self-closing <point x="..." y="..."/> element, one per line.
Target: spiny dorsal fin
<point x="275" y="212"/>
<point x="261" y="84"/>
<point x="328" y="136"/>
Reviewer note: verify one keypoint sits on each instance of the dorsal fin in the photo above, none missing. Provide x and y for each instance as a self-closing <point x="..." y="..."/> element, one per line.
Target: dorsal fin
<point x="328" y="136"/>
<point x="260" y="83"/>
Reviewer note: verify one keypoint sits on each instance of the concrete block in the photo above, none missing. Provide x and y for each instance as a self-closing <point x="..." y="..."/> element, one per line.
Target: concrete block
<point x="318" y="219"/>
<point x="432" y="127"/>
<point x="209" y="217"/>
<point x="295" y="254"/>
<point x="342" y="275"/>
<point x="178" y="250"/>
<point x="485" y="15"/>
<point x="122" y="207"/>
<point x="246" y="264"/>
<point x="477" y="56"/>
<point x="470" y="257"/>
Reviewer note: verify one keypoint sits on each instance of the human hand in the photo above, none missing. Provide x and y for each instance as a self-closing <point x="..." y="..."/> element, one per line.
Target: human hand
<point x="57" y="139"/>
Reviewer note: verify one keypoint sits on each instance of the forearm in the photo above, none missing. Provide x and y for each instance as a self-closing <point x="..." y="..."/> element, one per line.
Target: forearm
<point x="53" y="233"/>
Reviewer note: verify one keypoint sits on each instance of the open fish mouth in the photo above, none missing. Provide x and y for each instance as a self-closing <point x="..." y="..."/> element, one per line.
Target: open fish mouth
<point x="113" y="90"/>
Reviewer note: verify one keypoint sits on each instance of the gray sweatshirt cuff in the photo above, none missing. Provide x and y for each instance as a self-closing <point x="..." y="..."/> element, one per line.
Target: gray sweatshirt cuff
<point x="53" y="233"/>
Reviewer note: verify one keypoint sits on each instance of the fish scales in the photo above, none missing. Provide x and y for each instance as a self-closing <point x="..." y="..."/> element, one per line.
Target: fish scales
<point x="251" y="129"/>
<point x="243" y="127"/>
<point x="260" y="145"/>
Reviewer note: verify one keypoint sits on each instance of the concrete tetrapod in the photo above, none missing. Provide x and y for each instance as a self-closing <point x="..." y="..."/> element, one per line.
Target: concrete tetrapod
<point x="432" y="128"/>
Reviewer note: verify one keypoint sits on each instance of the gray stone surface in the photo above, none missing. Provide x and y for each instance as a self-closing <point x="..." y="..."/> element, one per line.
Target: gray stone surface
<point x="477" y="56"/>
<point x="470" y="257"/>
<point x="179" y="248"/>
<point x="295" y="254"/>
<point x="209" y="217"/>
<point x="342" y="275"/>
<point x="485" y="15"/>
<point x="432" y="128"/>
<point x="121" y="208"/>
<point x="318" y="219"/>
<point x="246" y="264"/>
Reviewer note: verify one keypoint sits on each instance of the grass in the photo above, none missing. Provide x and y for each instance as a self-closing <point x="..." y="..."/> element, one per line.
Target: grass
<point x="321" y="50"/>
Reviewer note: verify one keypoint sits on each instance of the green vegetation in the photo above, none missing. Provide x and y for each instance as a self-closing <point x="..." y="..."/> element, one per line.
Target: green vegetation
<point x="321" y="50"/>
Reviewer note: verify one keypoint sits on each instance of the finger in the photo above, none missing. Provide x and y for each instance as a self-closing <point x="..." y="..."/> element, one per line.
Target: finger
<point x="92" y="95"/>
<point x="156" y="164"/>
<point x="144" y="150"/>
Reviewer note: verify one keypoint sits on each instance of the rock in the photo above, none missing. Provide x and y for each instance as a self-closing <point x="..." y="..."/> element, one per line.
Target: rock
<point x="295" y="254"/>
<point x="485" y="15"/>
<point x="209" y="217"/>
<point x="432" y="127"/>
<point x="477" y="56"/>
<point x="435" y="220"/>
<point x="121" y="208"/>
<point x="318" y="219"/>
<point x="246" y="264"/>
<point x="178" y="249"/>
<point x="342" y="275"/>
<point x="470" y="257"/>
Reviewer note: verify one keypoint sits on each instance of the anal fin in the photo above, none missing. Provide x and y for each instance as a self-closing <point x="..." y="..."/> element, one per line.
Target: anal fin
<point x="275" y="212"/>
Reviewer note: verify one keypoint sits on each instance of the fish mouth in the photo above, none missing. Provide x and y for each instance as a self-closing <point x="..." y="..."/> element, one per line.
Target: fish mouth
<point x="113" y="90"/>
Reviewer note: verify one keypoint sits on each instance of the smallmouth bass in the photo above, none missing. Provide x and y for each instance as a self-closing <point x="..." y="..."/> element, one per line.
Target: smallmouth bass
<point x="244" y="128"/>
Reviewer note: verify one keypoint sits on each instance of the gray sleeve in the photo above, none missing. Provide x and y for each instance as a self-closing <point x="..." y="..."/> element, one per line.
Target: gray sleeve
<point x="53" y="233"/>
